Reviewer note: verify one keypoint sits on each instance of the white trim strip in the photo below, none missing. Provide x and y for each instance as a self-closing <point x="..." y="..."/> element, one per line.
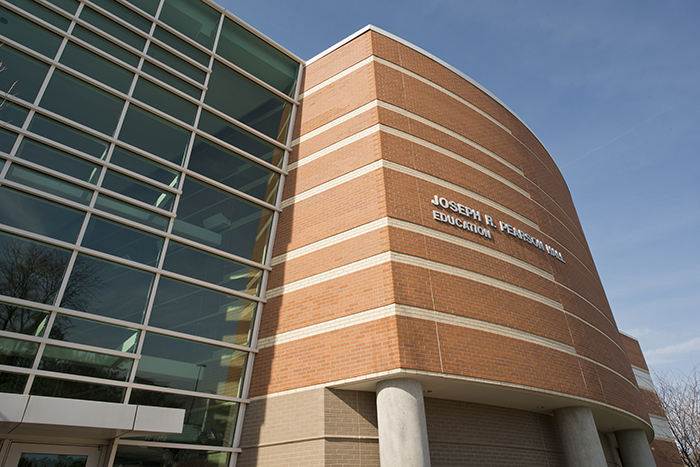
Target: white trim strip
<point x="336" y="77"/>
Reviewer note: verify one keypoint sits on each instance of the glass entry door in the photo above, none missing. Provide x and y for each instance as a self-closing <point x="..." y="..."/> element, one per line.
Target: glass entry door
<point x="51" y="455"/>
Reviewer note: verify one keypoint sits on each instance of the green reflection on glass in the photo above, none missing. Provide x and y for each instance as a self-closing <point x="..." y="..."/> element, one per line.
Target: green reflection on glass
<point x="107" y="289"/>
<point x="28" y="459"/>
<point x="138" y="190"/>
<point x="221" y="220"/>
<point x="208" y="267"/>
<point x="82" y="102"/>
<point x="14" y="114"/>
<point x="257" y="57"/>
<point x="171" y="60"/>
<point x="108" y="26"/>
<point x="106" y="45"/>
<point x="193" y="19"/>
<point x="14" y="352"/>
<point x="28" y="34"/>
<point x="125" y="13"/>
<point x="145" y="167"/>
<point x="155" y="135"/>
<point x="171" y="79"/>
<point x="7" y="140"/>
<point x="67" y="389"/>
<point x="38" y="215"/>
<point x="251" y="104"/>
<point x="84" y="363"/>
<point x="195" y="310"/>
<point x="22" y="320"/>
<point x="149" y="6"/>
<point x="69" y="136"/>
<point x="193" y="366"/>
<point x="69" y="5"/>
<point x="165" y="101"/>
<point x="58" y="160"/>
<point x="181" y="46"/>
<point x="96" y="67"/>
<point x="120" y="240"/>
<point x="235" y="136"/>
<point x="31" y="270"/>
<point x="22" y="75"/>
<point x="49" y="184"/>
<point x="231" y="169"/>
<point x="87" y="332"/>
<point x="131" y="212"/>
<point x="42" y="13"/>
<point x="12" y="383"/>
<point x="207" y="421"/>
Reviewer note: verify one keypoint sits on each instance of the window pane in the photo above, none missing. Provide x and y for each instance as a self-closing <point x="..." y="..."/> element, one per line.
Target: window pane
<point x="14" y="352"/>
<point x="82" y="102"/>
<point x="42" y="13"/>
<point x="58" y="160"/>
<point x="257" y="57"/>
<point x="69" y="5"/>
<point x="124" y="13"/>
<point x="66" y="389"/>
<point x="7" y="140"/>
<point x="131" y="212"/>
<point x="202" y="312"/>
<point x="96" y="67"/>
<point x="81" y="362"/>
<point x="22" y="75"/>
<point x="12" y="382"/>
<point x="207" y="267"/>
<point x="228" y="132"/>
<point x="251" y="104"/>
<point x="165" y="101"/>
<point x="107" y="289"/>
<point x="29" y="34"/>
<point x="120" y="240"/>
<point x="145" y="167"/>
<point x="138" y="190"/>
<point x="149" y="6"/>
<point x="31" y="270"/>
<point x="224" y="221"/>
<point x="69" y="136"/>
<point x="40" y="216"/>
<point x="22" y="320"/>
<point x="207" y="421"/>
<point x="194" y="19"/>
<point x="112" y="28"/>
<point x="181" y="46"/>
<point x="49" y="184"/>
<point x="106" y="45"/>
<point x="175" y="62"/>
<point x="149" y="456"/>
<point x="233" y="170"/>
<point x="155" y="135"/>
<point x="172" y="80"/>
<point x="84" y="331"/>
<point x="13" y="113"/>
<point x="192" y="366"/>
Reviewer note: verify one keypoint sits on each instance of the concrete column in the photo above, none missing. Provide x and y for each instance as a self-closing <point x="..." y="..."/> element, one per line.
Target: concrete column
<point x="634" y="448"/>
<point x="403" y="433"/>
<point x="579" y="437"/>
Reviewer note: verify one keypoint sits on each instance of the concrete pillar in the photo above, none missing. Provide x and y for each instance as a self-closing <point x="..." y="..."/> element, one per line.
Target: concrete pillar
<point x="403" y="433"/>
<point x="579" y="437"/>
<point x="634" y="448"/>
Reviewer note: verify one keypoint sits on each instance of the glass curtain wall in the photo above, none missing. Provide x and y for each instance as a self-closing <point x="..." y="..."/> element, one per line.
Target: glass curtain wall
<point x="142" y="147"/>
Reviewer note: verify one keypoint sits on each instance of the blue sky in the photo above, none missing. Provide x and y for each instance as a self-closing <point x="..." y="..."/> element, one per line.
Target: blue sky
<point x="611" y="88"/>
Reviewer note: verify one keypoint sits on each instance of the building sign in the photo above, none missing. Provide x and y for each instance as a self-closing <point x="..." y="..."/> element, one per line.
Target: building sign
<point x="465" y="218"/>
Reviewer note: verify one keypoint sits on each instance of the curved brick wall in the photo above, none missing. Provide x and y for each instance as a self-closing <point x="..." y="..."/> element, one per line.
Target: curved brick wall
<point x="369" y="278"/>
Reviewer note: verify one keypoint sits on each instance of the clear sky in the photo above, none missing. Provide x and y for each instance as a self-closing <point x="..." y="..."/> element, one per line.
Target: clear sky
<point x="611" y="88"/>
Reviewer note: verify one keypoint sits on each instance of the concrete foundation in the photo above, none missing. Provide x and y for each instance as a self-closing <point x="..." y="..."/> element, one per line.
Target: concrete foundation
<point x="579" y="437"/>
<point x="634" y="448"/>
<point x="403" y="434"/>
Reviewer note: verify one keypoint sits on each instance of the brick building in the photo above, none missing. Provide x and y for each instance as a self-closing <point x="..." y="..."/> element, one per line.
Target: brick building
<point x="214" y="253"/>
